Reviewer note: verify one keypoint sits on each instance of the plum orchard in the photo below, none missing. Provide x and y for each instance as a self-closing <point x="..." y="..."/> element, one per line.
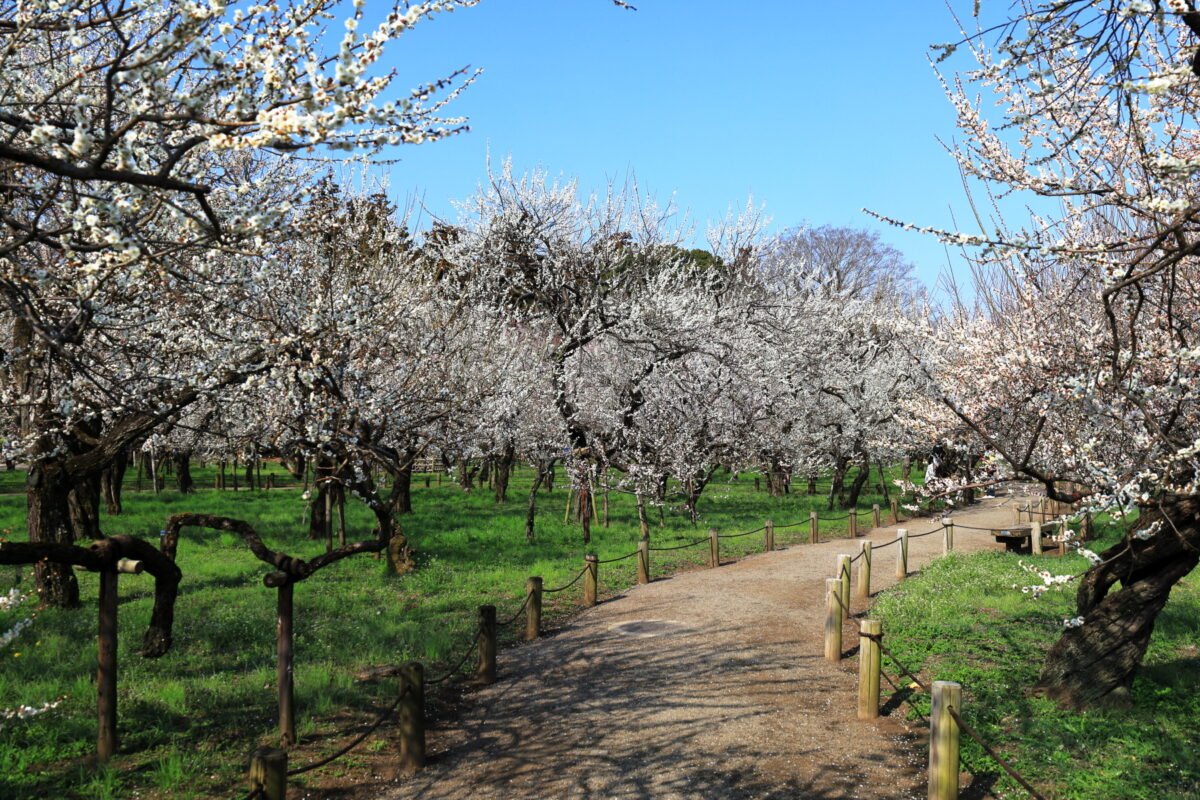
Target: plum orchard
<point x="1078" y="368"/>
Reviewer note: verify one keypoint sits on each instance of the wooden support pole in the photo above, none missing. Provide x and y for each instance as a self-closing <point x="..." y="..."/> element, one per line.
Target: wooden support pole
<point x="769" y="536"/>
<point x="843" y="575"/>
<point x="129" y="566"/>
<point x="869" y="658"/>
<point x="106" y="670"/>
<point x="410" y="718"/>
<point x="533" y="612"/>
<point x="875" y="521"/>
<point x="902" y="554"/>
<point x="486" y="672"/>
<point x="864" y="571"/>
<point x="268" y="773"/>
<point x="948" y="536"/>
<point x="714" y="549"/>
<point x="895" y="512"/>
<point x="1035" y="534"/>
<point x="943" y="741"/>
<point x="814" y="534"/>
<point x="833" y="621"/>
<point x="643" y="561"/>
<point x="591" y="579"/>
<point x="852" y="522"/>
<point x="284" y="654"/>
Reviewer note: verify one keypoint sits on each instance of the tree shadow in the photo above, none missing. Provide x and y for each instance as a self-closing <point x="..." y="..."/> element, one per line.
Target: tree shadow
<point x="600" y="715"/>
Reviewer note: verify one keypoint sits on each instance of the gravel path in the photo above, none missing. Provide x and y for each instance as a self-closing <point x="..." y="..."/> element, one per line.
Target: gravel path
<point x="708" y="684"/>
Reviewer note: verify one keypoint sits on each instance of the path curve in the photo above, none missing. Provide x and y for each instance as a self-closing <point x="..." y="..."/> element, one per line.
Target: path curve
<point x="707" y="684"/>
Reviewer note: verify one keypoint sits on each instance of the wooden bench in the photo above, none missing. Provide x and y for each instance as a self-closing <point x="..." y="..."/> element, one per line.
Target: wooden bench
<point x="1016" y="538"/>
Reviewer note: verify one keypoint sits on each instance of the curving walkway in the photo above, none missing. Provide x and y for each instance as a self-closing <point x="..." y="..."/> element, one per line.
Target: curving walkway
<point x="709" y="684"/>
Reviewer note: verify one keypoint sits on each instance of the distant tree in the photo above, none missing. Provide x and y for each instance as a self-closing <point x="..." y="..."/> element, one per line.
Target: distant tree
<point x="851" y="262"/>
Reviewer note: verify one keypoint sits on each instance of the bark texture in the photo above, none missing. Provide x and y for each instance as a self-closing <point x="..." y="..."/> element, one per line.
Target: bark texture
<point x="1097" y="661"/>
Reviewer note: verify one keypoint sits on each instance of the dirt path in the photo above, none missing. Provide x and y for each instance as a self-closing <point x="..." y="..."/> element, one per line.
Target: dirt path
<point x="709" y="684"/>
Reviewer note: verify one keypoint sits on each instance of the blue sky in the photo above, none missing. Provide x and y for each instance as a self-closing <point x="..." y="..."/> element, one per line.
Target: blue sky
<point x="817" y="109"/>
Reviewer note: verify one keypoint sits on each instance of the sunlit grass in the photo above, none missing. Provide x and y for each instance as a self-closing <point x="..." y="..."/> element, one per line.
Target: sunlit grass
<point x="961" y="620"/>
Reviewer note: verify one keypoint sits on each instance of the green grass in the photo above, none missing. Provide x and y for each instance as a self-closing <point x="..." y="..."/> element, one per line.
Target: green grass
<point x="960" y="620"/>
<point x="187" y="720"/>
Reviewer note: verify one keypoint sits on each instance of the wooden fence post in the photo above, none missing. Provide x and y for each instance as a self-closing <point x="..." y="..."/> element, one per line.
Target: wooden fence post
<point x="714" y="549"/>
<point x="948" y="536"/>
<point x="864" y="571"/>
<point x="814" y="534"/>
<point x="833" y="620"/>
<point x="875" y="515"/>
<point x="643" y="561"/>
<point x="533" y="614"/>
<point x="852" y="522"/>
<point x="486" y="673"/>
<point x="591" y="579"/>
<point x="769" y="536"/>
<point x="943" y="741"/>
<point x="895" y="512"/>
<point x="106" y="670"/>
<point x="410" y="717"/>
<point x="1035" y="531"/>
<point x="268" y="773"/>
<point x="812" y="485"/>
<point x="283" y="664"/>
<point x="902" y="554"/>
<point x="843" y="575"/>
<point x="869" y="668"/>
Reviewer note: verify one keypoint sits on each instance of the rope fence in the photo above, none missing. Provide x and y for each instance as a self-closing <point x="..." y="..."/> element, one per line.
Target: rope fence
<point x="518" y="613"/>
<point x="359" y="740"/>
<point x="568" y="585"/>
<point x="677" y="547"/>
<point x="462" y="661"/>
<point x="946" y="696"/>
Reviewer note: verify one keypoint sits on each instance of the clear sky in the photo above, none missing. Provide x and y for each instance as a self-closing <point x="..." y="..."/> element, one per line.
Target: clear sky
<point x="815" y="108"/>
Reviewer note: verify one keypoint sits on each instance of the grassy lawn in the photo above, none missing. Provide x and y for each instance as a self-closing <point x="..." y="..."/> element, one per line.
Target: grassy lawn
<point x="187" y="720"/>
<point x="961" y="620"/>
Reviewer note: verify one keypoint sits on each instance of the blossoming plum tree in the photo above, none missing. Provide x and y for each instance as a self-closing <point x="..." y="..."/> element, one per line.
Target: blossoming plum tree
<point x="1079" y="367"/>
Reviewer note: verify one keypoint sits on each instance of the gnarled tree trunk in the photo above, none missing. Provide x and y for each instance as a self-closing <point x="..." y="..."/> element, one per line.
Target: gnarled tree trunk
<point x="183" y="471"/>
<point x="1097" y="660"/>
<point x="501" y="473"/>
<point x="110" y="485"/>
<point x="856" y="486"/>
<point x="543" y="470"/>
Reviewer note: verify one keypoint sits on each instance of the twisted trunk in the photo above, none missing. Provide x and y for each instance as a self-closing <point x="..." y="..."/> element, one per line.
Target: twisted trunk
<point x="502" y="472"/>
<point x="183" y="471"/>
<point x="110" y="484"/>
<point x="543" y="471"/>
<point x="856" y="486"/>
<point x="1097" y="661"/>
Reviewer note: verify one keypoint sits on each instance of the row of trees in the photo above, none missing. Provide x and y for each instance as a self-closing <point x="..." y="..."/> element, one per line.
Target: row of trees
<point x="174" y="276"/>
